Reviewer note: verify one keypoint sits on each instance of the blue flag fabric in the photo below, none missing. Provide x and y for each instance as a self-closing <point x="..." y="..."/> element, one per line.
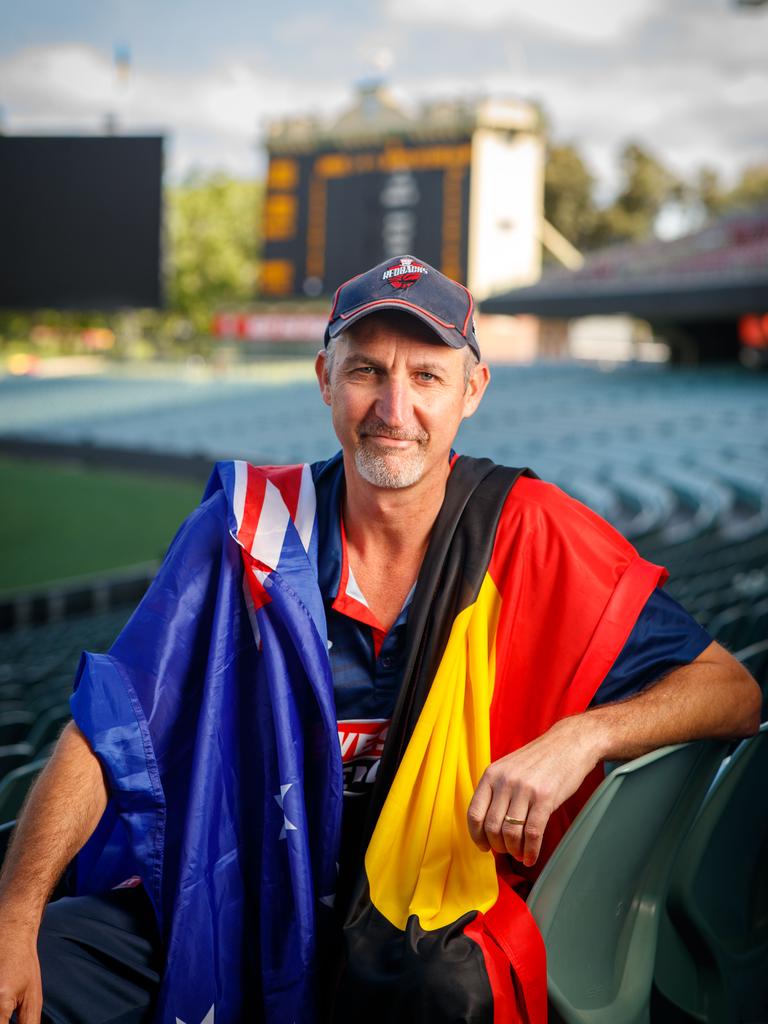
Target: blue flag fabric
<point x="213" y="717"/>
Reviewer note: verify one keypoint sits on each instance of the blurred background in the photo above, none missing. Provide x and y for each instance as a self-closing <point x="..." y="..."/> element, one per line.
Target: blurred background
<point x="183" y="186"/>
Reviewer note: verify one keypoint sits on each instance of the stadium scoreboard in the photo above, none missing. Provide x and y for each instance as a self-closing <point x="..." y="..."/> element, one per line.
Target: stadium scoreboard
<point x="330" y="213"/>
<point x="468" y="201"/>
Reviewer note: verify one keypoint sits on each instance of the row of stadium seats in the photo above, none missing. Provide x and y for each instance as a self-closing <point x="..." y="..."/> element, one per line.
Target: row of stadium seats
<point x="37" y="667"/>
<point x="679" y="453"/>
<point x="672" y="930"/>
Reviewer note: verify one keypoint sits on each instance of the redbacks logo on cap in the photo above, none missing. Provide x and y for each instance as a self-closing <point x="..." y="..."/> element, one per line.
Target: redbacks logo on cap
<point x="404" y="273"/>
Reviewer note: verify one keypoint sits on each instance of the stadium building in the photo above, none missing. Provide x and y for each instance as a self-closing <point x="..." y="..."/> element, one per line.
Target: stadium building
<point x="704" y="294"/>
<point x="459" y="183"/>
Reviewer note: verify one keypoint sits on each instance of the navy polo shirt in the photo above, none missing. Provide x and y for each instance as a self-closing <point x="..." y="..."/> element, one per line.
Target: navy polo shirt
<point x="367" y="661"/>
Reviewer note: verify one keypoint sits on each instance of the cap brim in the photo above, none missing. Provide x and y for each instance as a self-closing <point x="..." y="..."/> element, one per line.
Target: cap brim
<point x="448" y="336"/>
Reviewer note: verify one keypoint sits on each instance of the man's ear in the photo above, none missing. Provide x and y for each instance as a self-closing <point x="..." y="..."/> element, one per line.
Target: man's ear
<point x="478" y="382"/>
<point x="321" y="369"/>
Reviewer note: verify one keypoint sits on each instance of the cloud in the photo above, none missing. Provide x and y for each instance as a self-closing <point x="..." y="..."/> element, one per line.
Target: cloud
<point x="215" y="116"/>
<point x="587" y="19"/>
<point x="689" y="80"/>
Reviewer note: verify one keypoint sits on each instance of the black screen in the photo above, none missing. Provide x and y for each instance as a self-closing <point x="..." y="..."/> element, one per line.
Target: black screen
<point x="80" y="222"/>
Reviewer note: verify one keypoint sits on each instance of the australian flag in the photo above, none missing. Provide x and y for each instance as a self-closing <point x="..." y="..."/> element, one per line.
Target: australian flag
<point x="213" y="717"/>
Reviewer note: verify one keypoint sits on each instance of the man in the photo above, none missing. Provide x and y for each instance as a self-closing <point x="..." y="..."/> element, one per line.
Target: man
<point x="488" y="640"/>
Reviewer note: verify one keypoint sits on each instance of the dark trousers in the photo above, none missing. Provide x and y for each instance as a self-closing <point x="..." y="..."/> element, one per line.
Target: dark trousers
<point x="100" y="958"/>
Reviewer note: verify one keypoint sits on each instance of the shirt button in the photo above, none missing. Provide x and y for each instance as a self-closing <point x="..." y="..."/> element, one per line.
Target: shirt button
<point x="387" y="661"/>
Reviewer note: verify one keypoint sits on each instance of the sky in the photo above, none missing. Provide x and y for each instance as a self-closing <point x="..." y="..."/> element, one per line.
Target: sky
<point x="687" y="78"/>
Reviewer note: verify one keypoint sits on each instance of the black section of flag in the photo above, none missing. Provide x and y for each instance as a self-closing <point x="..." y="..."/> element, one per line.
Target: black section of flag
<point x="418" y="975"/>
<point x="459" y="551"/>
<point x="414" y="976"/>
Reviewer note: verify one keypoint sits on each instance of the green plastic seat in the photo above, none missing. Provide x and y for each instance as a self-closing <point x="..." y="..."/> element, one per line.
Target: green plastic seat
<point x="6" y="831"/>
<point x="48" y="726"/>
<point x="14" y="725"/>
<point x="755" y="659"/>
<point x="598" y="900"/>
<point x="14" y="755"/>
<point x="15" y="786"/>
<point x="712" y="961"/>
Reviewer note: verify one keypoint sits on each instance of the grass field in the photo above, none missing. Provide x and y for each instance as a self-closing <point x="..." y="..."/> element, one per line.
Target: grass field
<point x="60" y="521"/>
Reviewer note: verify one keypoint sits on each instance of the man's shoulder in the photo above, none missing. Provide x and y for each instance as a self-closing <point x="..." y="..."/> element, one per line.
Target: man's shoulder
<point x="327" y="468"/>
<point x="546" y="508"/>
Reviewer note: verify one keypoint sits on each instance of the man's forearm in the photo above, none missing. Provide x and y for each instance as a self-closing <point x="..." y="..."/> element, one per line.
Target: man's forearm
<point x="60" y="814"/>
<point x="713" y="697"/>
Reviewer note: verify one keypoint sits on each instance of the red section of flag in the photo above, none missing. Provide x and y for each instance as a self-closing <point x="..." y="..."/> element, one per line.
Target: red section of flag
<point x="254" y="501"/>
<point x="287" y="479"/>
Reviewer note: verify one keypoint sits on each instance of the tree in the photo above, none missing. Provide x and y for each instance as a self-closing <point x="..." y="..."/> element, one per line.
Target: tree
<point x="707" y="194"/>
<point x="752" y="188"/>
<point x="568" y="194"/>
<point x="214" y="239"/>
<point x="708" y="191"/>
<point x="647" y="186"/>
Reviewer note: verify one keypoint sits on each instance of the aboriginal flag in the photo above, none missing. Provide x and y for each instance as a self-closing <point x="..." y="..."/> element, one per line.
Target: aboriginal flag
<point x="523" y="603"/>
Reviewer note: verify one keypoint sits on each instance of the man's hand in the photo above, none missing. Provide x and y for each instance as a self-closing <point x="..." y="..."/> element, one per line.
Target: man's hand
<point x="713" y="697"/>
<point x="62" y="810"/>
<point x="527" y="786"/>
<point x="20" y="986"/>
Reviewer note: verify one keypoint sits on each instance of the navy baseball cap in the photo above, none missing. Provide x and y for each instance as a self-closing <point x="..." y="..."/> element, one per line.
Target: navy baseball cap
<point x="409" y="285"/>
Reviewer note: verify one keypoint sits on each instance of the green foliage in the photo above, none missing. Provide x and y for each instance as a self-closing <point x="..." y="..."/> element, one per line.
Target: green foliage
<point x="214" y="236"/>
<point x="708" y="192"/>
<point x="647" y="186"/>
<point x="752" y="188"/>
<point x="568" y="194"/>
<point x="569" y="202"/>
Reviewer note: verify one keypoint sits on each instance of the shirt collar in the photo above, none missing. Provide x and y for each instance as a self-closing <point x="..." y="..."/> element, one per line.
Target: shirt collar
<point x="335" y="577"/>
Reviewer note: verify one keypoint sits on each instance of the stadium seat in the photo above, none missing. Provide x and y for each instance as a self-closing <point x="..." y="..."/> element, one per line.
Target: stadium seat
<point x="5" y="836"/>
<point x="755" y="659"/>
<point x="14" y="788"/>
<point x="41" y="703"/>
<point x="14" y="725"/>
<point x="48" y="727"/>
<point x="11" y="691"/>
<point x="731" y="627"/>
<point x="14" y="755"/>
<point x="758" y="623"/>
<point x="712" y="961"/>
<point x="597" y="901"/>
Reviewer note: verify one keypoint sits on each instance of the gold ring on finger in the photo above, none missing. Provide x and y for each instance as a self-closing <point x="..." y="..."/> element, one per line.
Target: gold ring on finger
<point x="513" y="821"/>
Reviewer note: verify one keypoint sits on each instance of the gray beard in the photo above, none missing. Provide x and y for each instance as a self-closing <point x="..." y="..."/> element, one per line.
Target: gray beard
<point x="398" y="469"/>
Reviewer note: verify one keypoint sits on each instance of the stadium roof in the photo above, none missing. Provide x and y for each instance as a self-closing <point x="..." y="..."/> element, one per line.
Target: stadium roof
<point x="719" y="271"/>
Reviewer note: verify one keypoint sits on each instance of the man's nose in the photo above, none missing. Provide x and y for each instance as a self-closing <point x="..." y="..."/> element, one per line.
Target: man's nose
<point x="393" y="403"/>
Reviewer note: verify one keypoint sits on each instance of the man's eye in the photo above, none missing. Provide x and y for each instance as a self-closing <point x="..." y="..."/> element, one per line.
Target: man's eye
<point x="426" y="375"/>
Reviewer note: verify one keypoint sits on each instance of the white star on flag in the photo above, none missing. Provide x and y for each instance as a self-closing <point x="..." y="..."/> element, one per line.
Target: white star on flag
<point x="207" y="1019"/>
<point x="288" y="826"/>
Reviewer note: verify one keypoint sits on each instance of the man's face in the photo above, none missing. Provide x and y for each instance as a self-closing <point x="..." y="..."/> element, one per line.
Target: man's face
<point x="397" y="396"/>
